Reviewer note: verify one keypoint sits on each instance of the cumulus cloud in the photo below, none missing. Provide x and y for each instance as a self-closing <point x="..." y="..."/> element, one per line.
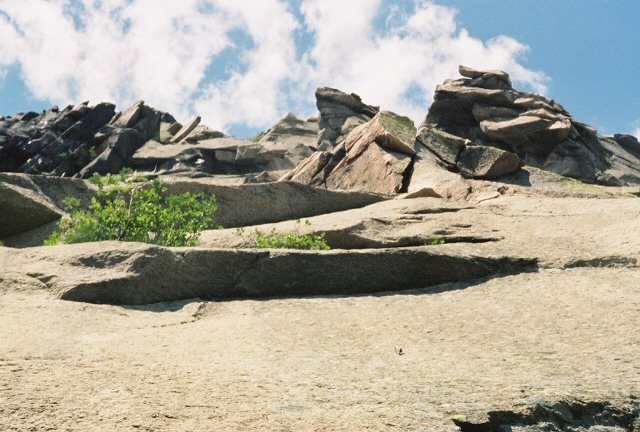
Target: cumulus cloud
<point x="166" y="52"/>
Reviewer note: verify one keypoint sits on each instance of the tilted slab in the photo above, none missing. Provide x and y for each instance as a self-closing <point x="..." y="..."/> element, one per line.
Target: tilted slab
<point x="130" y="273"/>
<point x="259" y="203"/>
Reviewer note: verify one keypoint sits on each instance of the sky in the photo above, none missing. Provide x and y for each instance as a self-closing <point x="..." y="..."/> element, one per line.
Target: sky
<point x="242" y="65"/>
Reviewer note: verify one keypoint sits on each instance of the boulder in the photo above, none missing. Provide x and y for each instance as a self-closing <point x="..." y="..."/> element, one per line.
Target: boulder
<point x="168" y="131"/>
<point x="310" y="171"/>
<point x="120" y="147"/>
<point x="487" y="162"/>
<point x="469" y="72"/>
<point x="375" y="157"/>
<point x="445" y="145"/>
<point x="130" y="117"/>
<point x="201" y="133"/>
<point x="257" y="203"/>
<point x="373" y="170"/>
<point x="29" y="202"/>
<point x="339" y="114"/>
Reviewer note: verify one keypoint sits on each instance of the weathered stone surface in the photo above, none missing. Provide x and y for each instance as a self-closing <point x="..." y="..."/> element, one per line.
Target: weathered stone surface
<point x="373" y="170"/>
<point x="445" y="145"/>
<point x="375" y="157"/>
<point x="168" y="130"/>
<point x="310" y="171"/>
<point x="251" y="204"/>
<point x="130" y="117"/>
<point x="339" y="114"/>
<point x="120" y="147"/>
<point x="469" y="72"/>
<point x="487" y="162"/>
<point x="201" y="133"/>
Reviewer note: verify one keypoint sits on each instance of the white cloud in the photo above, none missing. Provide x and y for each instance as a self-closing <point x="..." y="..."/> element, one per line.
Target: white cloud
<point x="422" y="49"/>
<point x="161" y="51"/>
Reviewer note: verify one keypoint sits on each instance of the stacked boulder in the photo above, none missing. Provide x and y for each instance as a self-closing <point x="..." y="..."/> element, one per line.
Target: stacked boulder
<point x="376" y="157"/>
<point x="482" y="118"/>
<point x="340" y="113"/>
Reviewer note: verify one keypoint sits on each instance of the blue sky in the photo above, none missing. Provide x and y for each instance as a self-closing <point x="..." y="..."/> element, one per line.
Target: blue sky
<point x="242" y="65"/>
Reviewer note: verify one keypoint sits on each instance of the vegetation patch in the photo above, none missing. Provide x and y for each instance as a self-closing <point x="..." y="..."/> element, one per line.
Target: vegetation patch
<point x="292" y="240"/>
<point x="129" y="208"/>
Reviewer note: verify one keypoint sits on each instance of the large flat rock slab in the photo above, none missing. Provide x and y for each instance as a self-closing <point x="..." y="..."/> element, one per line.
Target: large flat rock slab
<point x="128" y="273"/>
<point x="502" y="345"/>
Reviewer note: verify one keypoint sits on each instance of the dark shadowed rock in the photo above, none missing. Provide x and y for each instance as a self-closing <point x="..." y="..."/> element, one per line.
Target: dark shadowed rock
<point x="487" y="162"/>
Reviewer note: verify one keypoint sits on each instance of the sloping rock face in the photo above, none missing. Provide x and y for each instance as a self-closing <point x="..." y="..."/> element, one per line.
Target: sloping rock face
<point x="340" y="113"/>
<point x="483" y="109"/>
<point x="250" y="204"/>
<point x="115" y="273"/>
<point x="375" y="157"/>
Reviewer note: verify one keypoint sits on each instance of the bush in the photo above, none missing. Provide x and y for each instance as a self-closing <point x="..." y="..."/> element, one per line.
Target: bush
<point x="125" y="210"/>
<point x="293" y="240"/>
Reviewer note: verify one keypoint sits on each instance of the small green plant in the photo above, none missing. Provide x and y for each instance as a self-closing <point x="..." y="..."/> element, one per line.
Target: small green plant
<point x="93" y="153"/>
<point x="292" y="240"/>
<point x="63" y="155"/>
<point x="126" y="210"/>
<point x="436" y="241"/>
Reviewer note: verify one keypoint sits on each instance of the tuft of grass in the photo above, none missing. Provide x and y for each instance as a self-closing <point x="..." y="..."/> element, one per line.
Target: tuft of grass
<point x="293" y="240"/>
<point x="436" y="241"/>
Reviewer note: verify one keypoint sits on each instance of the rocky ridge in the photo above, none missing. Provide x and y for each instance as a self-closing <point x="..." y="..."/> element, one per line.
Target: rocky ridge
<point x="499" y="236"/>
<point x="478" y="126"/>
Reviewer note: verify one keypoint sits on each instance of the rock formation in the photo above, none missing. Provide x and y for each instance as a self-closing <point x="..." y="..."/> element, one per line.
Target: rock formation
<point x="524" y="273"/>
<point x="482" y="110"/>
<point x="340" y="113"/>
<point x="374" y="157"/>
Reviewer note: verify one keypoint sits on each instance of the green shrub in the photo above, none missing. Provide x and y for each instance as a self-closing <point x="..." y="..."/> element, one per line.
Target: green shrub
<point x="142" y="212"/>
<point x="436" y="241"/>
<point x="293" y="240"/>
